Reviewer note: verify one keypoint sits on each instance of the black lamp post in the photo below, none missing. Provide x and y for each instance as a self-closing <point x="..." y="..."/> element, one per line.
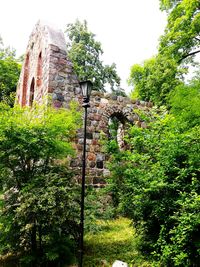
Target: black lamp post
<point x="86" y="87"/>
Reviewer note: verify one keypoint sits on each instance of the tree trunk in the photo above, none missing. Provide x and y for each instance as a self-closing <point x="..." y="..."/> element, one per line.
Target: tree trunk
<point x="34" y="245"/>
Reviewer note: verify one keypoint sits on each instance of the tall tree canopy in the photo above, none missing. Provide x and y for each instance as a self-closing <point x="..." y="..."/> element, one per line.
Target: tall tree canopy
<point x="177" y="48"/>
<point x="155" y="78"/>
<point x="9" y="74"/>
<point x="182" y="34"/>
<point x="85" y="53"/>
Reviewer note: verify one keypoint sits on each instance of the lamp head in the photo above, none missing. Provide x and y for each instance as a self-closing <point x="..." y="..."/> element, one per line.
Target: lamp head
<point x="86" y="88"/>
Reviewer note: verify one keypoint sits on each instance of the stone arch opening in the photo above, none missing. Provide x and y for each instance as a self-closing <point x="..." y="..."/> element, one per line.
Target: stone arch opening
<point x="116" y="128"/>
<point x="39" y="70"/>
<point x="32" y="92"/>
<point x="25" y="81"/>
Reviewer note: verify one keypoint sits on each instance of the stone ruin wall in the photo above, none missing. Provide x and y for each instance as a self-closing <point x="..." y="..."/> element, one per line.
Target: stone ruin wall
<point x="47" y="74"/>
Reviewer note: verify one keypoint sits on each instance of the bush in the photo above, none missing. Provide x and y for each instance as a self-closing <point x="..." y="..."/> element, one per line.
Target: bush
<point x="156" y="184"/>
<point x="39" y="216"/>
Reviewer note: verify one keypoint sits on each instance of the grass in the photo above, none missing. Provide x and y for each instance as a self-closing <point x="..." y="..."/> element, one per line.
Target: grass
<point x="114" y="241"/>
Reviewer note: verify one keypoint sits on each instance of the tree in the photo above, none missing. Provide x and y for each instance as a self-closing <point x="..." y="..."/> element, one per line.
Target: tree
<point x="185" y="103"/>
<point x="181" y="39"/>
<point x="168" y="4"/>
<point x="155" y="79"/>
<point x="85" y="52"/>
<point x="40" y="206"/>
<point x="9" y="74"/>
<point x="155" y="182"/>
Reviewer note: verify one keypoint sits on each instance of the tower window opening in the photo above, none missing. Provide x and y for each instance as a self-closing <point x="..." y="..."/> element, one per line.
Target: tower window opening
<point x="39" y="70"/>
<point x="32" y="91"/>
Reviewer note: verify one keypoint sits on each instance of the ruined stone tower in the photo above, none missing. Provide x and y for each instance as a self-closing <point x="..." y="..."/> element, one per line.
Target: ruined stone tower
<point x="47" y="74"/>
<point x="46" y="69"/>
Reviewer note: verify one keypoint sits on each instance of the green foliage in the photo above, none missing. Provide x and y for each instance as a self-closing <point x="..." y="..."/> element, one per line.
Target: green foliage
<point x="185" y="103"/>
<point x="155" y="79"/>
<point x="39" y="217"/>
<point x="168" y="4"/>
<point x="85" y="53"/>
<point x="31" y="139"/>
<point x="156" y="184"/>
<point x="9" y="74"/>
<point x="181" y="38"/>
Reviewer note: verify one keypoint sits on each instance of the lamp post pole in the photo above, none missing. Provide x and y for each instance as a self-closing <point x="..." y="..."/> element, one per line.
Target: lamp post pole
<point x="83" y="189"/>
<point x="86" y="90"/>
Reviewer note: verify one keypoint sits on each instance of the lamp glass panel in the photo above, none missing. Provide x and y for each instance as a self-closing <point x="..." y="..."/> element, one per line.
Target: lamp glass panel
<point x="86" y="88"/>
<point x="89" y="88"/>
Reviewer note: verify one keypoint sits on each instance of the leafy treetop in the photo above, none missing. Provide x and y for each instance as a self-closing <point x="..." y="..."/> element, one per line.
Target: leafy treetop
<point x="85" y="53"/>
<point x="182" y="34"/>
<point x="157" y="77"/>
<point x="154" y="79"/>
<point x="9" y="74"/>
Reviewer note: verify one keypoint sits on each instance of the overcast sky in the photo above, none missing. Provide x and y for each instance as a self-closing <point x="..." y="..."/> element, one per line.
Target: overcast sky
<point x="129" y="30"/>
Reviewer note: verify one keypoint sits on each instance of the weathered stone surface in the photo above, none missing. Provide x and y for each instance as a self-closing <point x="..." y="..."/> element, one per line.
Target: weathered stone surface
<point x="100" y="157"/>
<point x="91" y="156"/>
<point x="106" y="173"/>
<point x="47" y="74"/>
<point x="104" y="101"/>
<point x="143" y="125"/>
<point x="98" y="180"/>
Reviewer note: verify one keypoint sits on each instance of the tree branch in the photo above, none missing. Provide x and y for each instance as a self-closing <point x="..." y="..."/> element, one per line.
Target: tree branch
<point x="188" y="55"/>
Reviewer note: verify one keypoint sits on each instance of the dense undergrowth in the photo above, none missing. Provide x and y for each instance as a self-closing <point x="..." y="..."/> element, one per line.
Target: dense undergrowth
<point x="155" y="182"/>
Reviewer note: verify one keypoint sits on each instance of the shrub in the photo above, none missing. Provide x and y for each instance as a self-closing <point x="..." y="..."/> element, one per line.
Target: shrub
<point x="156" y="184"/>
<point x="40" y="205"/>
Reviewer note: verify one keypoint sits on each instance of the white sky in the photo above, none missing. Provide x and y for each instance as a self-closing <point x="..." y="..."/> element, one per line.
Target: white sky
<point x="128" y="29"/>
